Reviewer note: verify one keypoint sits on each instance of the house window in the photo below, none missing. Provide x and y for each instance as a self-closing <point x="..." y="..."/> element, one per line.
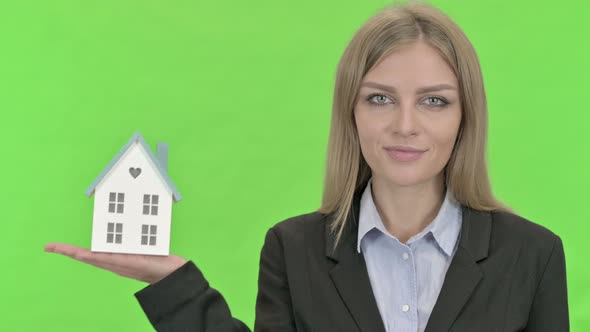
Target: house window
<point x="116" y="201"/>
<point x="148" y="235"/>
<point x="114" y="232"/>
<point x="150" y="204"/>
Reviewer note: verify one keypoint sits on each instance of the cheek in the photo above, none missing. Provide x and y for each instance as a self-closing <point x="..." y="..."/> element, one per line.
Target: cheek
<point x="369" y="125"/>
<point x="445" y="137"/>
<point x="362" y="127"/>
<point x="368" y="136"/>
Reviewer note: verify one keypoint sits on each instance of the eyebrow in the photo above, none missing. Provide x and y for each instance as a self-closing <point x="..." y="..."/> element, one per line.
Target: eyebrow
<point x="425" y="89"/>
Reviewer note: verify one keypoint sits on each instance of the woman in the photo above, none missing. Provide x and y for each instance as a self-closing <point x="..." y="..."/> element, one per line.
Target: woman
<point x="409" y="236"/>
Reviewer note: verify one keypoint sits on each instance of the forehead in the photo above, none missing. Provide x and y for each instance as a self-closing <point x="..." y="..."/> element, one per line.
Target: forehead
<point x="413" y="66"/>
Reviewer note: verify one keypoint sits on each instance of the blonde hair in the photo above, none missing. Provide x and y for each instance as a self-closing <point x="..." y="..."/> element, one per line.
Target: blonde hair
<point x="394" y="27"/>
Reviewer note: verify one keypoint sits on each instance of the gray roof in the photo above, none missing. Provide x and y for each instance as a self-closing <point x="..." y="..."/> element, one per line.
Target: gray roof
<point x="162" y="169"/>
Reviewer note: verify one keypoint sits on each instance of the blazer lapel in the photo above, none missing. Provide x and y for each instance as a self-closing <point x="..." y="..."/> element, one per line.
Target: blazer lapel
<point x="463" y="274"/>
<point x="351" y="278"/>
<point x="350" y="275"/>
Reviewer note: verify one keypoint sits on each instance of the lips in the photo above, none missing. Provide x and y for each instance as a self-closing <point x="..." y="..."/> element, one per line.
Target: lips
<point x="404" y="153"/>
<point x="403" y="148"/>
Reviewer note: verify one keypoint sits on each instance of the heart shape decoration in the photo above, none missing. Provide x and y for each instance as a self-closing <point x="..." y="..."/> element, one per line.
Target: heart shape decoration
<point x="134" y="172"/>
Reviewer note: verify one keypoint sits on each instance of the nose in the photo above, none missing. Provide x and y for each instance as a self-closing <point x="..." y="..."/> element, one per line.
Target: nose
<point x="405" y="122"/>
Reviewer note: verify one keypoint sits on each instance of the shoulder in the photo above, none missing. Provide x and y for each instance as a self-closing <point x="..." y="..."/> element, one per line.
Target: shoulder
<point x="300" y="222"/>
<point x="535" y="242"/>
<point x="516" y="227"/>
<point x="297" y="231"/>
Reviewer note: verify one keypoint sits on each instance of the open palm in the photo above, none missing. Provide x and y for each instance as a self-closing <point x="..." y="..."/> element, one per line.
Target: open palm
<point x="146" y="268"/>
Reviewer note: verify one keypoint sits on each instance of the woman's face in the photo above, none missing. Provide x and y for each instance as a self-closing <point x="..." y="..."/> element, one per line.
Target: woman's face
<point x="409" y="101"/>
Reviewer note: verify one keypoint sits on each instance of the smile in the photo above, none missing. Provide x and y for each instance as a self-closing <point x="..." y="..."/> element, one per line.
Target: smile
<point x="400" y="155"/>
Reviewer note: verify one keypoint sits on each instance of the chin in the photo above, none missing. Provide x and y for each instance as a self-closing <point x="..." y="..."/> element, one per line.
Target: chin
<point x="406" y="180"/>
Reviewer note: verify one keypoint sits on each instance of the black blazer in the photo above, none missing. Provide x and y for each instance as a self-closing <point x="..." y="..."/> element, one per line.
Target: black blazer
<point x="508" y="274"/>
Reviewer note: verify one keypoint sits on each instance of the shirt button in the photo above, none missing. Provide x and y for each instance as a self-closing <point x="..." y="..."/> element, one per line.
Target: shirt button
<point x="405" y="256"/>
<point x="405" y="308"/>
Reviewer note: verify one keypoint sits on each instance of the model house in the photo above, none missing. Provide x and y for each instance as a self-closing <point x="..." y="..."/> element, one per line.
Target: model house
<point x="133" y="199"/>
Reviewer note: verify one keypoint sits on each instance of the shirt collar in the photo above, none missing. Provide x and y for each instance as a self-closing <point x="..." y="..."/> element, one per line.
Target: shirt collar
<point x="445" y="227"/>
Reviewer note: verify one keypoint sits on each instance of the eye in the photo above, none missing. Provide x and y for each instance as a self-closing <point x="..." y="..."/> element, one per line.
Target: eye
<point x="379" y="101"/>
<point x="436" y="101"/>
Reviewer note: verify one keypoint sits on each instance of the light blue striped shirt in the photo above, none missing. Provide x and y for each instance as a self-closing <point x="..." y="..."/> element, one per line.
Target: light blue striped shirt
<point x="406" y="278"/>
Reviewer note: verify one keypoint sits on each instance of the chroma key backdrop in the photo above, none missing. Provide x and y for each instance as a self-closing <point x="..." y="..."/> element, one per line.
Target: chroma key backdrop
<point x="241" y="91"/>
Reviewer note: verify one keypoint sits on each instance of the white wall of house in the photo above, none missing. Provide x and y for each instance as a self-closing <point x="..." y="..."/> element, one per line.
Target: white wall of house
<point x="119" y="180"/>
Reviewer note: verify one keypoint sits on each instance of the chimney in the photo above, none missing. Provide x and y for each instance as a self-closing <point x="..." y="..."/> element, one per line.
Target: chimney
<point x="163" y="156"/>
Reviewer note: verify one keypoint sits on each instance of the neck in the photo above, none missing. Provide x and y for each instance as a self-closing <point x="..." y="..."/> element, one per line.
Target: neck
<point x="406" y="210"/>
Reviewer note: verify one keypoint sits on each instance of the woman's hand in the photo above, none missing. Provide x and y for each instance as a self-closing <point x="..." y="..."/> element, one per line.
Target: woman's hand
<point x="146" y="268"/>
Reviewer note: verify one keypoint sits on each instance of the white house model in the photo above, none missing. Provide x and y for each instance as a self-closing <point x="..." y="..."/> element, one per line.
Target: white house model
<point x="133" y="199"/>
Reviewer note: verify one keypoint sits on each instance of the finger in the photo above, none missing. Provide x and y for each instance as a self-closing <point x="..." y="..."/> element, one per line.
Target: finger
<point x="84" y="255"/>
<point x="64" y="249"/>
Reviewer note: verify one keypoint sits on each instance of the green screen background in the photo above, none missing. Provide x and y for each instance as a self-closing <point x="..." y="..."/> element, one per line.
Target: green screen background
<point x="242" y="93"/>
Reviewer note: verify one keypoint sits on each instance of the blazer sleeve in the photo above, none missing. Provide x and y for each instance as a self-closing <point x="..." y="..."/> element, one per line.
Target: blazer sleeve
<point x="184" y="301"/>
<point x="549" y="311"/>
